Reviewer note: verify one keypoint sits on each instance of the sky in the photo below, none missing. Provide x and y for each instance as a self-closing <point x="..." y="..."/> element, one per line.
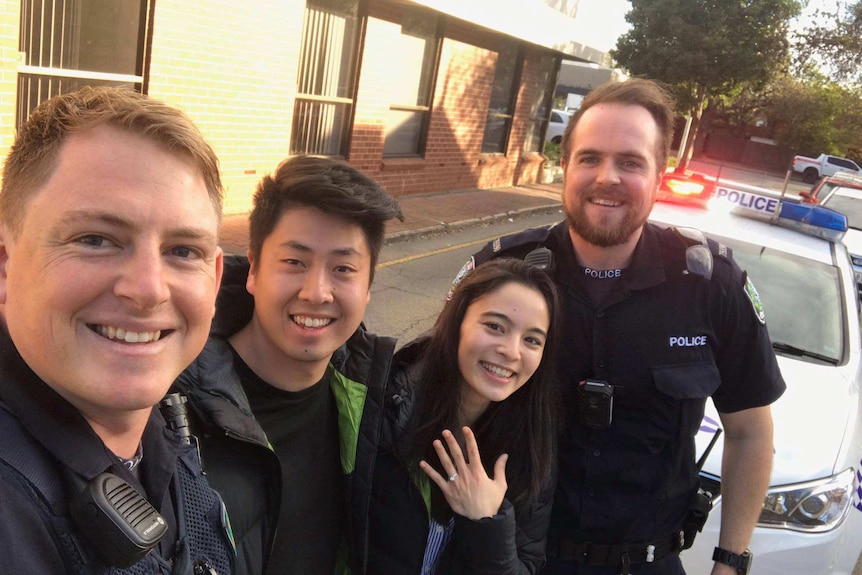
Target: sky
<point x="605" y="20"/>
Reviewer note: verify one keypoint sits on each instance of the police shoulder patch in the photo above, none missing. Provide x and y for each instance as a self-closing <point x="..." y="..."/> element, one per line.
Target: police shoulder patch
<point x="467" y="268"/>
<point x="754" y="298"/>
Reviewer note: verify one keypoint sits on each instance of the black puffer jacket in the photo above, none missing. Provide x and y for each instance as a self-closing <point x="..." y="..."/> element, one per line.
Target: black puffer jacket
<point x="237" y="457"/>
<point x="511" y="542"/>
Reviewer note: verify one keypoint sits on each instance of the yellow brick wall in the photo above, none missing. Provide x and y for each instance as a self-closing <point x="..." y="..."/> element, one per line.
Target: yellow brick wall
<point x="231" y="65"/>
<point x="9" y="16"/>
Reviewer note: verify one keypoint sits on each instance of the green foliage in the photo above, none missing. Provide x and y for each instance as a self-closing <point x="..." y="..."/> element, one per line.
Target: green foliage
<point x="833" y="42"/>
<point x="706" y="48"/>
<point x="552" y="152"/>
<point x="811" y="115"/>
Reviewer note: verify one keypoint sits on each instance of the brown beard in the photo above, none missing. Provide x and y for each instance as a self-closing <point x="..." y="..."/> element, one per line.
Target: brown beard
<point x="601" y="236"/>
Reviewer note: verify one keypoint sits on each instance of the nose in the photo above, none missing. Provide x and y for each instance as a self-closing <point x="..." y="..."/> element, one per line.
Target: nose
<point x="510" y="347"/>
<point x="316" y="286"/>
<point x="143" y="278"/>
<point x="608" y="175"/>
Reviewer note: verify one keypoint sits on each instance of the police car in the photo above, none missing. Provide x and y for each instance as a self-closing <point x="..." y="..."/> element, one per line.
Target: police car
<point x="811" y="521"/>
<point x="847" y="199"/>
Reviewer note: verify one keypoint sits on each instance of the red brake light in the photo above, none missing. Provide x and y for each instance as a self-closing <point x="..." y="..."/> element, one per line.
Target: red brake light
<point x="686" y="188"/>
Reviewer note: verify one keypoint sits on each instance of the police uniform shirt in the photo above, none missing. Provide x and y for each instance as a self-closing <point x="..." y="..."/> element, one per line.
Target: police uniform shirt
<point x="666" y="340"/>
<point x="77" y="451"/>
<point x="62" y="430"/>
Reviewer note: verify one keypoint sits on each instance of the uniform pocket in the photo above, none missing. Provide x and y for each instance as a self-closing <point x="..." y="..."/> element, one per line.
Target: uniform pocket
<point x="690" y="384"/>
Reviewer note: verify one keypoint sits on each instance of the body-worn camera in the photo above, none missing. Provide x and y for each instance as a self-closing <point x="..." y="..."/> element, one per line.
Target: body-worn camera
<point x="596" y="403"/>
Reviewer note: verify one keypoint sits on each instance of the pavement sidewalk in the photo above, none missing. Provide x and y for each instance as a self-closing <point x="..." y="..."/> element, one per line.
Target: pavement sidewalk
<point x="427" y="214"/>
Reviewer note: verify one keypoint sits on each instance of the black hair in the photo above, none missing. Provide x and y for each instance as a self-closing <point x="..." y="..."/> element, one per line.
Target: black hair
<point x="328" y="185"/>
<point x="526" y="424"/>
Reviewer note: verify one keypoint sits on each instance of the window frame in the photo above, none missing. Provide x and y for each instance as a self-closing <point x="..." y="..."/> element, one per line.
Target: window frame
<point x="547" y="103"/>
<point x="346" y="129"/>
<point x="52" y="80"/>
<point x="513" y="100"/>
<point x="431" y="84"/>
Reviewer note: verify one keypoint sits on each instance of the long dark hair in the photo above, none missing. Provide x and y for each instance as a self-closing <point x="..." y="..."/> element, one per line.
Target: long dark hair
<point x="524" y="425"/>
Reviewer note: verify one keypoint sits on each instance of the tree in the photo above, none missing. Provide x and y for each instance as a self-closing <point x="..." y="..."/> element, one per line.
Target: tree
<point x="835" y="42"/>
<point x="705" y="49"/>
<point x="816" y="116"/>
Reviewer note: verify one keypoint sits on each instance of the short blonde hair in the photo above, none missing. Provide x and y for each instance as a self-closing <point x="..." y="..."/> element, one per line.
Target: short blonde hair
<point x="33" y="156"/>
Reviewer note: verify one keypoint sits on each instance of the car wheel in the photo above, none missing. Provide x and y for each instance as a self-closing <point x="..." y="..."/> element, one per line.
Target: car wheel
<point x="809" y="176"/>
<point x="557" y="140"/>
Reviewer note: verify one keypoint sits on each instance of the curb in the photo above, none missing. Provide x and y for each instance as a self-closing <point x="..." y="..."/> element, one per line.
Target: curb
<point x="445" y="228"/>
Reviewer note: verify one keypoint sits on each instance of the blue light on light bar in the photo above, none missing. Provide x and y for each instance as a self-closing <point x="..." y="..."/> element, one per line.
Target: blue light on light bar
<point x="813" y="220"/>
<point x="805" y="218"/>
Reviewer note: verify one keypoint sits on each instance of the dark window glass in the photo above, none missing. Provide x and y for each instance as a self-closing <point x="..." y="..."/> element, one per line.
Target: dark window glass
<point x="502" y="104"/>
<point x="413" y="51"/>
<point x="541" y="104"/>
<point x="325" y="82"/>
<point x="68" y="44"/>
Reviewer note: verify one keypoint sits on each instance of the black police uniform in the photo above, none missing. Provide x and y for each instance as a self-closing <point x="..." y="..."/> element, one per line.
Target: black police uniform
<point x="47" y="443"/>
<point x="666" y="339"/>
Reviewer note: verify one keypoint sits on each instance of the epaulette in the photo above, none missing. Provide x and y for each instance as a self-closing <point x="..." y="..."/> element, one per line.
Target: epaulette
<point x="515" y="245"/>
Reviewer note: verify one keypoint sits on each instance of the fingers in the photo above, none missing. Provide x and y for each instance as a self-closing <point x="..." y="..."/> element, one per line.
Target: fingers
<point x="455" y="450"/>
<point x="472" y="446"/>
<point x="445" y="461"/>
<point x="500" y="469"/>
<point x="433" y="475"/>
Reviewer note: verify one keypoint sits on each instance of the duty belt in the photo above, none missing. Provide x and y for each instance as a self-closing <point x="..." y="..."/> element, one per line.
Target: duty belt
<point x="616" y="555"/>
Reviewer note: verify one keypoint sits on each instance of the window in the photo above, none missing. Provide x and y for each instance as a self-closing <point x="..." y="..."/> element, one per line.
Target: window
<point x="326" y="79"/>
<point x="502" y="105"/>
<point x="68" y="44"/>
<point x="842" y="163"/>
<point x="413" y="53"/>
<point x="547" y="79"/>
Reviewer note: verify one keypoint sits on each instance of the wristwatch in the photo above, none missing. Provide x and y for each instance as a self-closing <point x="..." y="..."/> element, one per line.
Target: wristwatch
<point x="740" y="562"/>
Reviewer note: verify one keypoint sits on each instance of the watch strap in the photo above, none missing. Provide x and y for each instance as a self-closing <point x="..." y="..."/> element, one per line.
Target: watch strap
<point x="740" y="562"/>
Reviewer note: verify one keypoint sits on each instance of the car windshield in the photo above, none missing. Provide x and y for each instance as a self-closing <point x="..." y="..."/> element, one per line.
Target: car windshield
<point x="848" y="201"/>
<point x="801" y="298"/>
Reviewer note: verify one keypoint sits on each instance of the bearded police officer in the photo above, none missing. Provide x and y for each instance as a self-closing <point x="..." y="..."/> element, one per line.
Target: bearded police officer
<point x="657" y="321"/>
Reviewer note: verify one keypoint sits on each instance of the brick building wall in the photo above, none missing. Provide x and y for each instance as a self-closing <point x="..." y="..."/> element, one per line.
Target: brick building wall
<point x="453" y="158"/>
<point x="234" y="72"/>
<point x="9" y="23"/>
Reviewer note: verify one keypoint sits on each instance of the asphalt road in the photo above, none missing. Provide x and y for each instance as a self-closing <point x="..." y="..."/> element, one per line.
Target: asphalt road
<point x="413" y="277"/>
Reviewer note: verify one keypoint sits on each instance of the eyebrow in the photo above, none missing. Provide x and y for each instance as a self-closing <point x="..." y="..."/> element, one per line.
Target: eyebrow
<point x="506" y="318"/>
<point x="626" y="154"/>
<point x="111" y="219"/>
<point x="299" y="246"/>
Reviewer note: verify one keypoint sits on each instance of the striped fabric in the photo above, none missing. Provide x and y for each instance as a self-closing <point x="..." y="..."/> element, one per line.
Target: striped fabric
<point x="438" y="537"/>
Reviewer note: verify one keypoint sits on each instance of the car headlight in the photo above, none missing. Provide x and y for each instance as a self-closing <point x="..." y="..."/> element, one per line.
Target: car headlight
<point x="811" y="507"/>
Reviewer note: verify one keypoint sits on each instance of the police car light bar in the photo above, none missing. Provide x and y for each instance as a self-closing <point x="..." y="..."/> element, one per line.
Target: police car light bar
<point x="808" y="219"/>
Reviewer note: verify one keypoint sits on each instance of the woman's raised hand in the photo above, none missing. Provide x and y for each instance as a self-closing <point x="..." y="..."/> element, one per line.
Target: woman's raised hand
<point x="468" y="489"/>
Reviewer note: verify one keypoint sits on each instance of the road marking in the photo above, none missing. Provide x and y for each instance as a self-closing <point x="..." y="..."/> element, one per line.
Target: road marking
<point x="407" y="259"/>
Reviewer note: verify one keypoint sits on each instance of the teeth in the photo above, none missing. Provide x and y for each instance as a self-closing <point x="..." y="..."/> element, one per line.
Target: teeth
<point x="608" y="203"/>
<point x="497" y="370"/>
<point x="311" y="322"/>
<point x="120" y="334"/>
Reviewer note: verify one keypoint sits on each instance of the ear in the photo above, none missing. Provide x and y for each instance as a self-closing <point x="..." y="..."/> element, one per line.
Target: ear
<point x="219" y="271"/>
<point x="249" y="281"/>
<point x="4" y="260"/>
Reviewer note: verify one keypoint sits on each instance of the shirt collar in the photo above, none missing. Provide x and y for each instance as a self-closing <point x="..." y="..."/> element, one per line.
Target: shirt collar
<point x="645" y="270"/>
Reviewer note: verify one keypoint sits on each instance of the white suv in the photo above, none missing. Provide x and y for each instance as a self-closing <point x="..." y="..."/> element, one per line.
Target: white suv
<point x="556" y="126"/>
